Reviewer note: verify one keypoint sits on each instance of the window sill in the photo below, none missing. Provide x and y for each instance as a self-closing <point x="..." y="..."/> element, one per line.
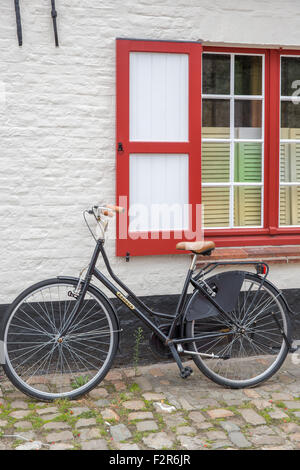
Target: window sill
<point x="270" y="254"/>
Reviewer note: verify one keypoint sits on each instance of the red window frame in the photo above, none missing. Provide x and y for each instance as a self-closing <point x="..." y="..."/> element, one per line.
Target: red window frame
<point x="155" y="242"/>
<point x="270" y="233"/>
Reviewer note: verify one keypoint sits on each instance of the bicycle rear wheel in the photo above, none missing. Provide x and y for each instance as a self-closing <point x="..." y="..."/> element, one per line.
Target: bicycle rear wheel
<point x="40" y="362"/>
<point x="253" y="352"/>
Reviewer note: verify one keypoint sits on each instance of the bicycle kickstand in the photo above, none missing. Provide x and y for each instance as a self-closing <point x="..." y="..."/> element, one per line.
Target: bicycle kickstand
<point x="185" y="372"/>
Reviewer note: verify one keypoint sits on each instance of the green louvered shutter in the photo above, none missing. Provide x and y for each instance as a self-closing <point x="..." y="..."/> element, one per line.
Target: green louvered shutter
<point x="247" y="199"/>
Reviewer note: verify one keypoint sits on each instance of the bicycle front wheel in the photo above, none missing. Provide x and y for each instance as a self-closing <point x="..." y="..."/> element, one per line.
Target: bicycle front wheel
<point x="250" y="353"/>
<point x="42" y="363"/>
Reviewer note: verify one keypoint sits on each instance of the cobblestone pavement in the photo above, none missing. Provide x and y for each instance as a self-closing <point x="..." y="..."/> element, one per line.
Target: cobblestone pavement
<point x="156" y="409"/>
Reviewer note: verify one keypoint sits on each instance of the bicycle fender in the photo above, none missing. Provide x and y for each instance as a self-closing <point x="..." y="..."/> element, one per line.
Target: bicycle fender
<point x="227" y="289"/>
<point x="99" y="292"/>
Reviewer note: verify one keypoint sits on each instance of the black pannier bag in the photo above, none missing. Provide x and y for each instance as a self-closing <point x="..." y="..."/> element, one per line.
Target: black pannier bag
<point x="227" y="287"/>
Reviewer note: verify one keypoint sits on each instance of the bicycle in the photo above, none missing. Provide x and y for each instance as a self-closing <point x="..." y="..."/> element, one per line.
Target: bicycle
<point x="60" y="336"/>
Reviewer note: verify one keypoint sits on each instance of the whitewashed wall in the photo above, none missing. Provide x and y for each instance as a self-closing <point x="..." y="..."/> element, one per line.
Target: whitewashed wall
<point x="57" y="123"/>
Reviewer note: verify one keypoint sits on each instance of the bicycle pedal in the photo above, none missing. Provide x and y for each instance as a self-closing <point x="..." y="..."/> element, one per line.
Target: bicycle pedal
<point x="186" y="372"/>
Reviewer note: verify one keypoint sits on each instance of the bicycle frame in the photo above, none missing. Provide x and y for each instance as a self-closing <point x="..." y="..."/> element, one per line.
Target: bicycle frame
<point x="169" y="339"/>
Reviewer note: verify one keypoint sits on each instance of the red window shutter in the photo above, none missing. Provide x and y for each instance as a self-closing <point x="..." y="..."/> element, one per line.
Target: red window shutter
<point x="152" y="241"/>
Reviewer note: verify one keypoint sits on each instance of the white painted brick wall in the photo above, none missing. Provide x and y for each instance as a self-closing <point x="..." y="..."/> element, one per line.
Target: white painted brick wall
<point x="57" y="126"/>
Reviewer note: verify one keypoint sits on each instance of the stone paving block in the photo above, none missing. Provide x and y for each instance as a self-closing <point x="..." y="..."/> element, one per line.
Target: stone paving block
<point x="143" y="426"/>
<point x="56" y="426"/>
<point x="48" y="410"/>
<point x="89" y="433"/>
<point x="50" y="417"/>
<point x="35" y="445"/>
<point x="76" y="411"/>
<point x="151" y="396"/>
<point x="59" y="436"/>
<point x="61" y="446"/>
<point x="94" y="444"/>
<point x="102" y="402"/>
<point x="215" y="435"/>
<point x="264" y="439"/>
<point x="85" y="422"/>
<point x="140" y="415"/>
<point x="292" y="405"/>
<point x="261" y="430"/>
<point x="196" y="416"/>
<point x="289" y="428"/>
<point x="119" y="385"/>
<point x="125" y="446"/>
<point x="191" y="443"/>
<point x="98" y="393"/>
<point x="113" y="375"/>
<point x="20" y="414"/>
<point x="278" y="414"/>
<point x="19" y="404"/>
<point x="295" y="436"/>
<point x="158" y="441"/>
<point x="156" y="372"/>
<point x="220" y="445"/>
<point x="185" y="405"/>
<point x="120" y="432"/>
<point x="219" y="413"/>
<point x="3" y="423"/>
<point x="22" y="424"/>
<point x="229" y="426"/>
<point x="144" y="383"/>
<point x="281" y="396"/>
<point x="250" y="393"/>
<point x="239" y="440"/>
<point x="252" y="417"/>
<point x="110" y="414"/>
<point x="261" y="404"/>
<point x="134" y="405"/>
<point x="185" y="430"/>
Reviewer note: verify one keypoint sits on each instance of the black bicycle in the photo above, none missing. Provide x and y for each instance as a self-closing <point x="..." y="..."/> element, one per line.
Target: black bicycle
<point x="61" y="335"/>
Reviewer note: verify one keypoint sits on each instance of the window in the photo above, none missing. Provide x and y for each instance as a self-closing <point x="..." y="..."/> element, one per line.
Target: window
<point x="232" y="140"/>
<point x="290" y="142"/>
<point x="213" y="125"/>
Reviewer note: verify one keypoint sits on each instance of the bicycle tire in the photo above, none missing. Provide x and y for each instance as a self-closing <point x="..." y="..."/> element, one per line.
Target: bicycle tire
<point x="209" y="366"/>
<point x="11" y="331"/>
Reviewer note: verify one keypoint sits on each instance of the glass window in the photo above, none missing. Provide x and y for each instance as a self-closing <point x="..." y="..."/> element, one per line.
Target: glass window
<point x="232" y="141"/>
<point x="247" y="75"/>
<point x="289" y="203"/>
<point x="216" y="74"/>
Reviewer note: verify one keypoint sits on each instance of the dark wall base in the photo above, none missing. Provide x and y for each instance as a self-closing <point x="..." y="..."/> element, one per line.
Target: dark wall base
<point x="165" y="304"/>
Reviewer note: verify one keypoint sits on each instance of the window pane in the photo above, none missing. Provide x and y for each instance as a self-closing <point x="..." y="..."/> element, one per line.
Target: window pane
<point x="159" y="97"/>
<point x="216" y="119"/>
<point x="290" y="120"/>
<point x="247" y="119"/>
<point x="247" y="162"/>
<point x="290" y="74"/>
<point x="159" y="192"/>
<point x="215" y="162"/>
<point x="290" y="162"/>
<point x="247" y="75"/>
<point x="247" y="206"/>
<point x="216" y="74"/>
<point x="216" y="206"/>
<point x="290" y="205"/>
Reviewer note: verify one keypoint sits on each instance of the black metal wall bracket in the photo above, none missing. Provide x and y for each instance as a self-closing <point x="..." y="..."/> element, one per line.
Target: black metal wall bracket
<point x="19" y="24"/>
<point x="54" y="19"/>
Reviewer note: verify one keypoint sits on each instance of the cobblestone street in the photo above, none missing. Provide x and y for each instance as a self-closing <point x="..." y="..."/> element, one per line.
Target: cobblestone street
<point x="155" y="409"/>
